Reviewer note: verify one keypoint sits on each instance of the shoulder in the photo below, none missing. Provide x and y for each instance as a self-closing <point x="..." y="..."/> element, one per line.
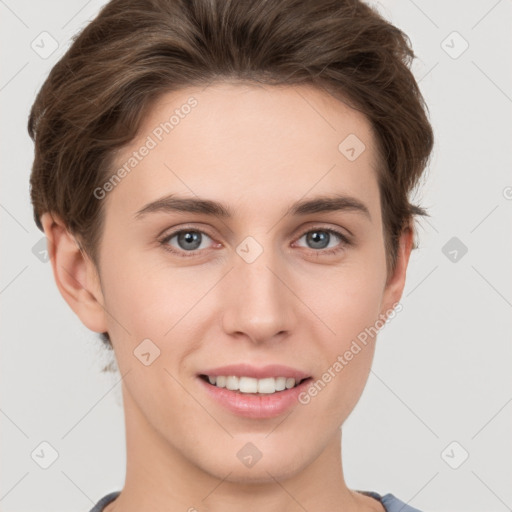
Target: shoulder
<point x="105" y="501"/>
<point x="391" y="503"/>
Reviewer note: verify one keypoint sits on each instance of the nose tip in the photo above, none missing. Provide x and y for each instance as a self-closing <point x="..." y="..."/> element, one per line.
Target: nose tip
<point x="259" y="305"/>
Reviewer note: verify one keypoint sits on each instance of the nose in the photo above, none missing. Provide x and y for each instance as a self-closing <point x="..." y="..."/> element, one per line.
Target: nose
<point x="258" y="303"/>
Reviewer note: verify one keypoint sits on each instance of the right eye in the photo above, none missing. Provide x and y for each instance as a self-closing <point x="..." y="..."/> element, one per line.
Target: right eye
<point x="187" y="241"/>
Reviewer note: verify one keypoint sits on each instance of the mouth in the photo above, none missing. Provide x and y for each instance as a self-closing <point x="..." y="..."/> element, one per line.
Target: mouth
<point x="255" y="392"/>
<point x="252" y="397"/>
<point x="251" y="386"/>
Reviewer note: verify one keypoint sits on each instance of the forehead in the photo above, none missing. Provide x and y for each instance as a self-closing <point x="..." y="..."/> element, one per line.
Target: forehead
<point x="246" y="143"/>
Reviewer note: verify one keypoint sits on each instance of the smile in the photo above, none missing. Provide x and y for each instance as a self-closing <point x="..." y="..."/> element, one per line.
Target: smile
<point x="251" y="385"/>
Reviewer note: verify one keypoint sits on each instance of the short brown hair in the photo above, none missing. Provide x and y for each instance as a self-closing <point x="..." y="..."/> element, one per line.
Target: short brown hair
<point x="96" y="96"/>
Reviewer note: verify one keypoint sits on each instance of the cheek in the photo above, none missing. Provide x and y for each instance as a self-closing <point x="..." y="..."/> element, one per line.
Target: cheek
<point x="146" y="319"/>
<point x="148" y="301"/>
<point x="350" y="296"/>
<point x="349" y="306"/>
<point x="139" y="291"/>
<point x="133" y="301"/>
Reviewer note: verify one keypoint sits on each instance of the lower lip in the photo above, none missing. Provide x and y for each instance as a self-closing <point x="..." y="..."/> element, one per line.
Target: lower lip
<point x="256" y="406"/>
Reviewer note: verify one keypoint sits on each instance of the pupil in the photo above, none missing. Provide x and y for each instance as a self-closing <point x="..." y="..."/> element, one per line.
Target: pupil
<point x="190" y="237"/>
<point x="318" y="237"/>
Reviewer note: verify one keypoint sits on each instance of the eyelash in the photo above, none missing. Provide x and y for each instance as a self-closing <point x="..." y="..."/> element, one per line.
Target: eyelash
<point x="345" y="242"/>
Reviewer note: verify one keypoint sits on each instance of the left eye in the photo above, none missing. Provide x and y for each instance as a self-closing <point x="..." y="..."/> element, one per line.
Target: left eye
<point x="321" y="238"/>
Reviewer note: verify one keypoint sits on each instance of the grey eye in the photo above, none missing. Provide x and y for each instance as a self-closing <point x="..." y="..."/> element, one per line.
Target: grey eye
<point x="188" y="240"/>
<point x="318" y="239"/>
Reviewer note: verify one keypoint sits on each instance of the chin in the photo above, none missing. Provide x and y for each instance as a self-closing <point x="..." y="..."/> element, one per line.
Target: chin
<point x="276" y="465"/>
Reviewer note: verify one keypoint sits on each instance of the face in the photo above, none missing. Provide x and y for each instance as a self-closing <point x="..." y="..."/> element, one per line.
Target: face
<point x="275" y="277"/>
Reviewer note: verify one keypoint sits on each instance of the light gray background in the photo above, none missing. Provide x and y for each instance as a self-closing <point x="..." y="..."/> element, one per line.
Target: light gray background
<point x="442" y="366"/>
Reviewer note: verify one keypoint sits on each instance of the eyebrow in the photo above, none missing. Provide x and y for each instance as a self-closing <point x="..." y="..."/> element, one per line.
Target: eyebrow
<point x="174" y="203"/>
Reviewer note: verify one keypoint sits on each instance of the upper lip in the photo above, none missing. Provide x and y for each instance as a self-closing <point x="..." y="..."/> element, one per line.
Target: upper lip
<point x="246" y="370"/>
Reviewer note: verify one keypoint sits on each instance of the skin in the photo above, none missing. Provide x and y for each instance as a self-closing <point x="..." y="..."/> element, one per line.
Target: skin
<point x="293" y="305"/>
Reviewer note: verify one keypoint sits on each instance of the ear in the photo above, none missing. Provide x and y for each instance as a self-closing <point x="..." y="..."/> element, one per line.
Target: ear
<point x="75" y="274"/>
<point x="396" y="281"/>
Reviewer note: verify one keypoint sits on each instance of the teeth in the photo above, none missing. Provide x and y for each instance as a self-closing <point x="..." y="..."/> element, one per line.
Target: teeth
<point x="251" y="385"/>
<point x="232" y="383"/>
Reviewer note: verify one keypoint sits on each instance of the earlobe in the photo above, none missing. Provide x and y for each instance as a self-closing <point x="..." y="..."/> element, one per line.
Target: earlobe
<point x="74" y="274"/>
<point x="396" y="281"/>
